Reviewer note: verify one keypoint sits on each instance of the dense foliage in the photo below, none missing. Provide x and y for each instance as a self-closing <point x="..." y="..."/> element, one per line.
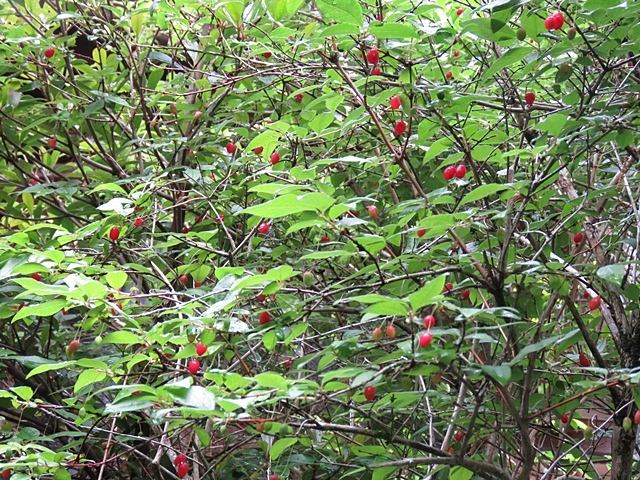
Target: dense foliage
<point x="335" y="239"/>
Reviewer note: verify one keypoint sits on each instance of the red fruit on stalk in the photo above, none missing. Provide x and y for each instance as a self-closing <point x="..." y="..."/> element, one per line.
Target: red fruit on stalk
<point x="636" y="417"/>
<point x="425" y="340"/>
<point x="274" y="476"/>
<point x="114" y="233"/>
<point x="459" y="11"/>
<point x="373" y="56"/>
<point x="377" y="334"/>
<point x="266" y="54"/>
<point x="193" y="366"/>
<point x="265" y="317"/>
<point x="464" y="295"/>
<point x="49" y="52"/>
<point x="529" y="98"/>
<point x="180" y="458"/>
<point x="184" y="279"/>
<point x="577" y="238"/>
<point x="564" y="418"/>
<point x="6" y="473"/>
<point x="369" y="392"/>
<point x="137" y="222"/>
<point x="263" y="228"/>
<point x="376" y="71"/>
<point x="185" y="229"/>
<point x="197" y="284"/>
<point x="73" y="346"/>
<point x="231" y="147"/>
<point x="373" y="211"/>
<point x="298" y="98"/>
<point x="324" y="239"/>
<point x="558" y="20"/>
<point x="594" y="304"/>
<point x="394" y="102"/>
<point x="391" y="332"/>
<point x="461" y="171"/>
<point x="52" y="142"/>
<point x="449" y="172"/>
<point x="447" y="287"/>
<point x="583" y="360"/>
<point x="201" y="349"/>
<point x="448" y="75"/>
<point x="36" y="276"/>
<point x="258" y="150"/>
<point x="400" y="127"/>
<point x="275" y="158"/>
<point x="456" y="53"/>
<point x="459" y="435"/>
<point x="429" y="321"/>
<point x="421" y="232"/>
<point x="182" y="470"/>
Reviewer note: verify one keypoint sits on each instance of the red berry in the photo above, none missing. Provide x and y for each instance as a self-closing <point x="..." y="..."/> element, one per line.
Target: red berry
<point x="421" y="232"/>
<point x="459" y="435"/>
<point x="261" y="297"/>
<point x="449" y="172"/>
<point x="391" y="332"/>
<point x="231" y="147"/>
<point x="73" y="346"/>
<point x="377" y="334"/>
<point x="373" y="56"/>
<point x="185" y="229"/>
<point x="184" y="279"/>
<point x="197" y="284"/>
<point x="324" y="239"/>
<point x="193" y="366"/>
<point x="369" y="392"/>
<point x="376" y="71"/>
<point x="275" y="158"/>
<point x="266" y="54"/>
<point x="577" y="238"/>
<point x="529" y="98"/>
<point x="459" y="11"/>
<point x="394" y="102"/>
<point x="594" y="304"/>
<point x="180" y="458"/>
<point x="461" y="171"/>
<point x="636" y="418"/>
<point x="429" y="321"/>
<point x="274" y="476"/>
<point x="265" y="317"/>
<point x="425" y="340"/>
<point x="549" y="23"/>
<point x="373" y="211"/>
<point x="583" y="360"/>
<point x="36" y="276"/>
<point x="558" y="20"/>
<point x="201" y="349"/>
<point x="114" y="234"/>
<point x="49" y="52"/>
<point x="448" y="75"/>
<point x="258" y="150"/>
<point x="564" y="418"/>
<point x="183" y="470"/>
<point x="288" y="363"/>
<point x="447" y="287"/>
<point x="400" y="127"/>
<point x="298" y="98"/>
<point x="263" y="228"/>
<point x="137" y="222"/>
<point x="456" y="53"/>
<point x="6" y="473"/>
<point x="464" y="294"/>
<point x="52" y="142"/>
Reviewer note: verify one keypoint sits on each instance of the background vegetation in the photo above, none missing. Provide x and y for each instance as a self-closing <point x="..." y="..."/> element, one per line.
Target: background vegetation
<point x="233" y="246"/>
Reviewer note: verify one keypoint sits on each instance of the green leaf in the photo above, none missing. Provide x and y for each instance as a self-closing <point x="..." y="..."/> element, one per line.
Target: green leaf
<point x="88" y="377"/>
<point x="393" y="30"/>
<point x="269" y="340"/>
<point x="553" y="124"/>
<point x="46" y="309"/>
<point x="271" y="380"/>
<point x="48" y="367"/>
<point x="396" y="308"/>
<point x="129" y="404"/>
<point x="341" y="11"/>
<point x="291" y="204"/>
<point x="382" y="473"/>
<point x="460" y="473"/>
<point x="321" y="122"/>
<point x="509" y="59"/>
<point x="280" y="446"/>
<point x="61" y="474"/>
<point x="612" y="273"/>
<point x="483" y="191"/>
<point x="116" y="279"/>
<point x="501" y="373"/>
<point x="122" y="338"/>
<point x="427" y="293"/>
